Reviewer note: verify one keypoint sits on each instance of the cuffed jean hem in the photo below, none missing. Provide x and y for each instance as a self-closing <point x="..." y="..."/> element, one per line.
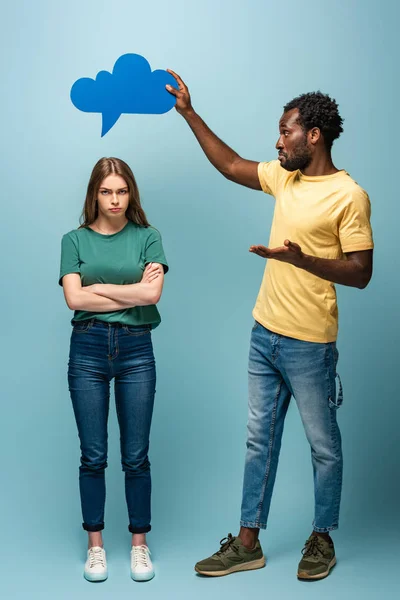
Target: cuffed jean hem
<point x="99" y="527"/>
<point x="139" y="529"/>
<point x="250" y="525"/>
<point x="325" y="529"/>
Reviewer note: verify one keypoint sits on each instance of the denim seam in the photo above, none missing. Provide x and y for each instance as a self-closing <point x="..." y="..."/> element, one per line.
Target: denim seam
<point x="251" y="525"/>
<point x="269" y="458"/>
<point x="328" y="372"/>
<point x="112" y="357"/>
<point x="276" y="346"/>
<point x="338" y="469"/>
<point x="136" y="334"/>
<point x="145" y="529"/>
<point x="83" y="329"/>
<point x="330" y="363"/>
<point x="98" y="527"/>
<point x="333" y="403"/>
<point x="324" y="529"/>
<point x="334" y="440"/>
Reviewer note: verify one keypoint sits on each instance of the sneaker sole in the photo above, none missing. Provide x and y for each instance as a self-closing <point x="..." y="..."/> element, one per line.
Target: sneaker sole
<point x="142" y="576"/>
<point x="95" y="577"/>
<point x="248" y="566"/>
<point x="305" y="575"/>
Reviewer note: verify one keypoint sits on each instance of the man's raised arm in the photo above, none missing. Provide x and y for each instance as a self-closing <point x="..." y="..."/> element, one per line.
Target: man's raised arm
<point x="227" y="161"/>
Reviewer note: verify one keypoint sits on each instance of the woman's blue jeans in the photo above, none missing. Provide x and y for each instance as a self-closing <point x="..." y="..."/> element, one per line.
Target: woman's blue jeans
<point x="99" y="352"/>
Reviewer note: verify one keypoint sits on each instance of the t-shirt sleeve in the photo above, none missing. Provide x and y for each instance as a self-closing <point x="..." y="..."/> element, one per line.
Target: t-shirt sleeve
<point x="270" y="175"/>
<point x="355" y="232"/>
<point x="70" y="262"/>
<point x="154" y="251"/>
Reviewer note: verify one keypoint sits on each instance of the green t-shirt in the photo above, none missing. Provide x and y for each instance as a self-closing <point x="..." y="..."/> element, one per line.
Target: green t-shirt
<point x="120" y="259"/>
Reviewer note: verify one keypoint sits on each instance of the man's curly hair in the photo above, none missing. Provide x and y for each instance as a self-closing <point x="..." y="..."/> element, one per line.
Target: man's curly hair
<point x="318" y="110"/>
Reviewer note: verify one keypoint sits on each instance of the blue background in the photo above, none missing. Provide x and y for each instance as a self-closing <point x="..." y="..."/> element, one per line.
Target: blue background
<point x="242" y="62"/>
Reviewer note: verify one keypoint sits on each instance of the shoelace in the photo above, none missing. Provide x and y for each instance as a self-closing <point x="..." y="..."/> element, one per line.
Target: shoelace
<point x="313" y="547"/>
<point x="96" y="557"/>
<point x="226" y="544"/>
<point x="141" y="555"/>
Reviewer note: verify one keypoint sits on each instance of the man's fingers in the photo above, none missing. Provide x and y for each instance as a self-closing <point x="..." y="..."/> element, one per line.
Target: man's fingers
<point x="178" y="79"/>
<point x="172" y="90"/>
<point x="292" y="245"/>
<point x="259" y="250"/>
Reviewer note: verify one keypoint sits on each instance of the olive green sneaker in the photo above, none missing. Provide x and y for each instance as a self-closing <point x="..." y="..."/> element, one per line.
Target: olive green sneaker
<point x="231" y="557"/>
<point x="318" y="558"/>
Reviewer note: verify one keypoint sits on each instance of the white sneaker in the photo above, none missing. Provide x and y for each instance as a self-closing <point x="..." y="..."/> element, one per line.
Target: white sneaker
<point x="96" y="564"/>
<point x="141" y="565"/>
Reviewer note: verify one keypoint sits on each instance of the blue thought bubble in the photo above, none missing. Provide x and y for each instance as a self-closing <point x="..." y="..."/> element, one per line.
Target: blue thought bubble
<point x="131" y="88"/>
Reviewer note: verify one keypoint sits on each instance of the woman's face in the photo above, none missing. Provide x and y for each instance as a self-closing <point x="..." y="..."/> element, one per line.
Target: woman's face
<point x="113" y="197"/>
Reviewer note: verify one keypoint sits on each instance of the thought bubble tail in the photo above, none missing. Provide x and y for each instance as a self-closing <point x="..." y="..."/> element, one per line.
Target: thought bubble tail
<point x="109" y="120"/>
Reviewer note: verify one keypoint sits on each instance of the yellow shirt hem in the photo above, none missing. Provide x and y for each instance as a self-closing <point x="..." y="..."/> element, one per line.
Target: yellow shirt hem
<point x="357" y="247"/>
<point x="292" y="334"/>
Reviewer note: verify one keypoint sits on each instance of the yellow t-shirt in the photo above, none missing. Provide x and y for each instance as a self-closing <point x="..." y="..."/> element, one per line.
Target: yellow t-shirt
<point x="327" y="216"/>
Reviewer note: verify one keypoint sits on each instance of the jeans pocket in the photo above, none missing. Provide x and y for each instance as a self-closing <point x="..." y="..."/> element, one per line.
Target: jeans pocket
<point x="256" y="324"/>
<point x="82" y="326"/>
<point x="137" y="329"/>
<point x="337" y="401"/>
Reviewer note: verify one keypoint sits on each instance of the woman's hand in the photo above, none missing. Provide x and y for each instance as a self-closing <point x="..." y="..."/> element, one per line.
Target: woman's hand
<point x="151" y="272"/>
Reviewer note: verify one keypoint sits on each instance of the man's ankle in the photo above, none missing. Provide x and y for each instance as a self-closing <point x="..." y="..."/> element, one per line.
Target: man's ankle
<point x="249" y="537"/>
<point x="324" y="535"/>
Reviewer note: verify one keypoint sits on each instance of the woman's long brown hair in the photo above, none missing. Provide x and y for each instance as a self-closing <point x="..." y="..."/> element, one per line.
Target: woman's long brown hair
<point x="102" y="169"/>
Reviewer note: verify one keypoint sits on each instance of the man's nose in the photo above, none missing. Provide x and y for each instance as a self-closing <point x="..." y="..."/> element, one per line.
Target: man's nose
<point x="279" y="144"/>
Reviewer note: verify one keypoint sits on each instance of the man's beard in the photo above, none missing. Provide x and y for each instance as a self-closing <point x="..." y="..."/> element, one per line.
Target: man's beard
<point x="300" y="159"/>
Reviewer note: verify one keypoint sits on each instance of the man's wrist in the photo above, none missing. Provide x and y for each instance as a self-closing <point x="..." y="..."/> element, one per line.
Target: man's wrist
<point x="306" y="261"/>
<point x="189" y="114"/>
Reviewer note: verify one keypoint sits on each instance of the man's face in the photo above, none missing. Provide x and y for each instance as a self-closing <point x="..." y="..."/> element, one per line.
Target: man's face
<point x="294" y="151"/>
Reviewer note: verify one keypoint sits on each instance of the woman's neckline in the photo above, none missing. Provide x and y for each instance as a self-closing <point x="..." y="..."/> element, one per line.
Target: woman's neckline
<point x="108" y="235"/>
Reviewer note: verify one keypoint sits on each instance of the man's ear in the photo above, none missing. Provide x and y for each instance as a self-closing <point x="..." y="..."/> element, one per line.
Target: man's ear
<point x="314" y="135"/>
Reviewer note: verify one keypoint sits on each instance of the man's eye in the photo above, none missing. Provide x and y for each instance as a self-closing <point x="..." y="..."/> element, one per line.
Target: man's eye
<point x="285" y="133"/>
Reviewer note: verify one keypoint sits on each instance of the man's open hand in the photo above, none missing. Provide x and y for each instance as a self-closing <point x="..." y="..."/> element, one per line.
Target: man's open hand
<point x="290" y="253"/>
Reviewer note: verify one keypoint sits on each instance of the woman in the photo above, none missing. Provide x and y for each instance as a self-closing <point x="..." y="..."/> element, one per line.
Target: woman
<point x="112" y="273"/>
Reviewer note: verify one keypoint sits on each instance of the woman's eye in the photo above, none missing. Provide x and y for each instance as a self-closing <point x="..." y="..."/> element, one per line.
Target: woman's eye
<point x="123" y="191"/>
<point x="104" y="192"/>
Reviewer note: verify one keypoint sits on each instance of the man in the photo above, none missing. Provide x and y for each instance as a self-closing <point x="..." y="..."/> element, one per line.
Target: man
<point x="320" y="235"/>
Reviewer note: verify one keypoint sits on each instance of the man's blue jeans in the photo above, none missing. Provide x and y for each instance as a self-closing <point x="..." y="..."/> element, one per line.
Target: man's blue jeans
<point x="99" y="352"/>
<point x="281" y="367"/>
